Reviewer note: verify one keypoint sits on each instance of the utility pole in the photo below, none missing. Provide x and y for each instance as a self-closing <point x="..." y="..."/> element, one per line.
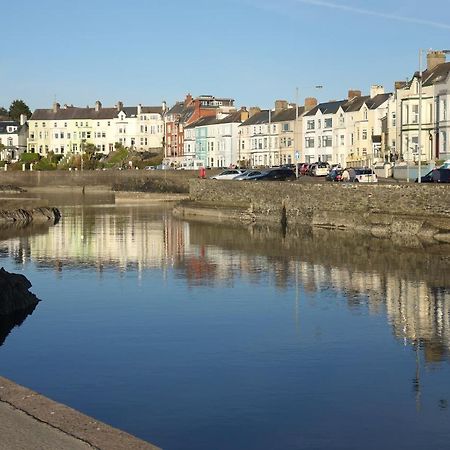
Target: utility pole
<point x="296" y="150"/>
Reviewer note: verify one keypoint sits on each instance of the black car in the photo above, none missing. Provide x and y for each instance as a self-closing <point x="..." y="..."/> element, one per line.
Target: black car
<point x="278" y="174"/>
<point x="436" y="176"/>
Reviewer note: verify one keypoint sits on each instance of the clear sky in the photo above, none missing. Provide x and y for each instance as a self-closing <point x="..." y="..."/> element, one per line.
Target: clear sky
<point x="256" y="51"/>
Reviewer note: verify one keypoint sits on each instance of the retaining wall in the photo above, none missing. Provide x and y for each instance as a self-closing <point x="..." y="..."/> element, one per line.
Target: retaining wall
<point x="381" y="209"/>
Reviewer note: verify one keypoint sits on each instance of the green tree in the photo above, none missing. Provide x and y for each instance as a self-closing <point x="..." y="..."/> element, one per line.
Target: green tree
<point x="3" y="112"/>
<point x="17" y="108"/>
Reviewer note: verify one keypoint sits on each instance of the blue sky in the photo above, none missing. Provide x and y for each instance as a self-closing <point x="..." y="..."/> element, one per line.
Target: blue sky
<point x="256" y="51"/>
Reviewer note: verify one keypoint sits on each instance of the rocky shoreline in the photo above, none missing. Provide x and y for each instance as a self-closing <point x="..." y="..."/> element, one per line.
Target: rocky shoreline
<point x="15" y="294"/>
<point x="26" y="216"/>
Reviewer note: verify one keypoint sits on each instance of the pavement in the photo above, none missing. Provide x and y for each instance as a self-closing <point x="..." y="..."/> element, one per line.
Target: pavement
<point x="30" y="421"/>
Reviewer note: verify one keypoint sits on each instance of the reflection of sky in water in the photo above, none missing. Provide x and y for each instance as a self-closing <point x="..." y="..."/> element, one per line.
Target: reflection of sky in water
<point x="196" y="336"/>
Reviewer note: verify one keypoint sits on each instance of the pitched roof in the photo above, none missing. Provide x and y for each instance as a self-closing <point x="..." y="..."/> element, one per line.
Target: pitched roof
<point x="287" y="114"/>
<point x="8" y="123"/>
<point x="203" y="121"/>
<point x="355" y="104"/>
<point x="378" y="100"/>
<point x="234" y="117"/>
<point x="326" y="108"/>
<point x="258" y="118"/>
<point x="72" y="112"/>
<point x="437" y="75"/>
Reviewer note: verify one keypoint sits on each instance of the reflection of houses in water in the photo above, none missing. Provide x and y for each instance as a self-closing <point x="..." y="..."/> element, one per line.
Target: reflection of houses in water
<point x="417" y="310"/>
<point x="105" y="240"/>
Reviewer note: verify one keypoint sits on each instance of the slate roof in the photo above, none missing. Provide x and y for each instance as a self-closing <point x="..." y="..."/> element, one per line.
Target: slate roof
<point x="287" y="114"/>
<point x="378" y="100"/>
<point x="258" y="118"/>
<point x="437" y="75"/>
<point x="203" y="121"/>
<point x="234" y="117"/>
<point x="355" y="104"/>
<point x="327" y="108"/>
<point x="8" y="123"/>
<point x="72" y="112"/>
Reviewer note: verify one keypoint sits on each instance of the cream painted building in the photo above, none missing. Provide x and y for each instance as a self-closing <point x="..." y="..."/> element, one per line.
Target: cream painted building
<point x="434" y="108"/>
<point x="65" y="130"/>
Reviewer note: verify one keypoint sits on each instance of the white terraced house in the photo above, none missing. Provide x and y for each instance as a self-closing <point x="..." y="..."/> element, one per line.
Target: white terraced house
<point x="66" y="129"/>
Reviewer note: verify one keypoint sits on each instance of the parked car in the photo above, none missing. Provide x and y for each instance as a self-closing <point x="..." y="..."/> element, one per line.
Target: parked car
<point x="320" y="169"/>
<point x="359" y="175"/>
<point x="228" y="174"/>
<point x="278" y="174"/>
<point x="248" y="175"/>
<point x="436" y="176"/>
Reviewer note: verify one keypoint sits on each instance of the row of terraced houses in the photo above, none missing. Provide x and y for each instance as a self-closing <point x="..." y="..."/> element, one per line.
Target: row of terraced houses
<point x="358" y="130"/>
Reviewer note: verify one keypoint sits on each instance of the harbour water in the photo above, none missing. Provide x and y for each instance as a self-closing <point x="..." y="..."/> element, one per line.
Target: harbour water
<point x="198" y="336"/>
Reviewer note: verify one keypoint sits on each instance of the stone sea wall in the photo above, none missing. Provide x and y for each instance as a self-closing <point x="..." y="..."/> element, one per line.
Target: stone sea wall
<point x="383" y="210"/>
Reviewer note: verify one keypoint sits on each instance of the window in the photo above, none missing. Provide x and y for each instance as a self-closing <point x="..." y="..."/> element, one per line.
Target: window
<point x="365" y="114"/>
<point x="285" y="127"/>
<point x="319" y="123"/>
<point x="415" y="114"/>
<point x="55" y="125"/>
<point x="328" y="123"/>
<point x="309" y="142"/>
<point x="342" y="139"/>
<point x="65" y="124"/>
<point x="327" y="141"/>
<point x="310" y="125"/>
<point x="393" y="121"/>
<point x="444" y="109"/>
<point x="364" y="135"/>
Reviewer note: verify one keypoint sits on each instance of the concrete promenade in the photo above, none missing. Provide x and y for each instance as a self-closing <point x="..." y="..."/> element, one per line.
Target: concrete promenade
<point x="30" y="421"/>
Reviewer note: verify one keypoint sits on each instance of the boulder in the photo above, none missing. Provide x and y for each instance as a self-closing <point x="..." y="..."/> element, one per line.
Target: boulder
<point x="14" y="293"/>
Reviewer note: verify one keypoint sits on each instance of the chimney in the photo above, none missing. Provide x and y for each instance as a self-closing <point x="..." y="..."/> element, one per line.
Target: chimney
<point x="164" y="107"/>
<point x="98" y="105"/>
<point x="56" y="107"/>
<point x="188" y="100"/>
<point x="280" y="105"/>
<point x="352" y="93"/>
<point x="119" y="106"/>
<point x="375" y="90"/>
<point x="244" y="114"/>
<point x="23" y="119"/>
<point x="434" y="58"/>
<point x="254" y="110"/>
<point x="310" y="103"/>
<point x="139" y="109"/>
<point x="399" y="85"/>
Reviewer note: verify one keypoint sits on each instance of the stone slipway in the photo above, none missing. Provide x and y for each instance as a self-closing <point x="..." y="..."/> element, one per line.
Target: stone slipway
<point x="30" y="421"/>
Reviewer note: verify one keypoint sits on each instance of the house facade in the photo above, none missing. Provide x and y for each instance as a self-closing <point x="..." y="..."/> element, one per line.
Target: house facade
<point x="65" y="130"/>
<point x="13" y="139"/>
<point x="433" y="109"/>
<point x="182" y="114"/>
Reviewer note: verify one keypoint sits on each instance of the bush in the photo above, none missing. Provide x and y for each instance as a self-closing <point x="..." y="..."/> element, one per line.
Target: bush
<point x="27" y="158"/>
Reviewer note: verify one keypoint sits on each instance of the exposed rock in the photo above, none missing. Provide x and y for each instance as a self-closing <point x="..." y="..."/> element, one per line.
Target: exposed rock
<point x="14" y="293"/>
<point x="37" y="215"/>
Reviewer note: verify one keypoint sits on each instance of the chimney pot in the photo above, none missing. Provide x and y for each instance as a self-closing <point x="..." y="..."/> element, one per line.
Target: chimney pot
<point x="434" y="58"/>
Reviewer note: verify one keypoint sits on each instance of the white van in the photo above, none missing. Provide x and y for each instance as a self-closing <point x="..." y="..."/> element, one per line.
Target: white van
<point x="191" y="164"/>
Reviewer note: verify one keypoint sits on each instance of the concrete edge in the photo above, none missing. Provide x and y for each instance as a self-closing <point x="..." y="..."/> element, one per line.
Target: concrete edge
<point x="67" y="420"/>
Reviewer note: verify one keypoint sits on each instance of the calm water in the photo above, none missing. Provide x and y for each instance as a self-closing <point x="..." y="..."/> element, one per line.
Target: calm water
<point x="197" y="336"/>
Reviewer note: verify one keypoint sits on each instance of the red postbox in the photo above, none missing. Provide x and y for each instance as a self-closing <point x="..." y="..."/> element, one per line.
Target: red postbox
<point x="202" y="172"/>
